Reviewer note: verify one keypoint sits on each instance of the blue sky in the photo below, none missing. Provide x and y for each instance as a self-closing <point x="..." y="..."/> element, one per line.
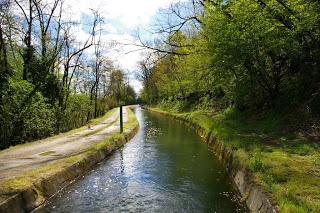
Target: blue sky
<point x="122" y="19"/>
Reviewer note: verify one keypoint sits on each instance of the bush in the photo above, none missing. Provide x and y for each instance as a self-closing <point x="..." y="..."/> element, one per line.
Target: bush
<point x="256" y="164"/>
<point x="25" y="114"/>
<point x="76" y="112"/>
<point x="172" y="104"/>
<point x="38" y="118"/>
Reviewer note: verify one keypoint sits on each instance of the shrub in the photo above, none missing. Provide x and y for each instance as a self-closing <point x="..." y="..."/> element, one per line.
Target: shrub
<point x="38" y="118"/>
<point x="25" y="114"/>
<point x="256" y="164"/>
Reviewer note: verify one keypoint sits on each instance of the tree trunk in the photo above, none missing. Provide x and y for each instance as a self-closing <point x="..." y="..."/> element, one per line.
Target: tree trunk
<point x="28" y="51"/>
<point x="96" y="101"/>
<point x="3" y="53"/>
<point x="4" y="68"/>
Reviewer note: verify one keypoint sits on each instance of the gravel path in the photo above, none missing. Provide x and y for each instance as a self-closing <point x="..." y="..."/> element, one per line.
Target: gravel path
<point x="25" y="158"/>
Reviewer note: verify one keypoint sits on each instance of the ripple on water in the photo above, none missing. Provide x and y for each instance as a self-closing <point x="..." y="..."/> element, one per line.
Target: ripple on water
<point x="165" y="168"/>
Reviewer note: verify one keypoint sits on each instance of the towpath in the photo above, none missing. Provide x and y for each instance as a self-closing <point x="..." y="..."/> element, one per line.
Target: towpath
<point x="27" y="157"/>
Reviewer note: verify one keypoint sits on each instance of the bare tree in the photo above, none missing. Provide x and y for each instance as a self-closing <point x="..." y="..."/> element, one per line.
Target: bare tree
<point x="28" y="15"/>
<point x="179" y="17"/>
<point x="71" y="59"/>
<point x="97" y="66"/>
<point x="47" y="20"/>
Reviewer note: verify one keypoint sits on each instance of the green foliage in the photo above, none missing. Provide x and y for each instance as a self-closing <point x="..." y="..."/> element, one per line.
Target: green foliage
<point x="29" y="109"/>
<point x="172" y="105"/>
<point x="38" y="118"/>
<point x="256" y="164"/>
<point x="260" y="50"/>
<point x="112" y="101"/>
<point x="119" y="92"/>
<point x="76" y="112"/>
<point x="46" y="85"/>
<point x="25" y="114"/>
<point x="255" y="55"/>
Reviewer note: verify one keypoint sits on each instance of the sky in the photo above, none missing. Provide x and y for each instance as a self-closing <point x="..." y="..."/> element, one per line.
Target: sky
<point x="122" y="19"/>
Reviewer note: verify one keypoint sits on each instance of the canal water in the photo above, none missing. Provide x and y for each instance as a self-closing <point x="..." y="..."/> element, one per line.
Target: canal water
<point x="165" y="168"/>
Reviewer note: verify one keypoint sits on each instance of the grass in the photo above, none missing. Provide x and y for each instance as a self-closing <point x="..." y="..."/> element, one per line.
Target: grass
<point x="25" y="180"/>
<point x="64" y="134"/>
<point x="285" y="164"/>
<point x="132" y="120"/>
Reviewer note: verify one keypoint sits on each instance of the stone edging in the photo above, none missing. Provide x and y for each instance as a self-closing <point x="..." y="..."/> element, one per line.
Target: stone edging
<point x="42" y="190"/>
<point x="256" y="199"/>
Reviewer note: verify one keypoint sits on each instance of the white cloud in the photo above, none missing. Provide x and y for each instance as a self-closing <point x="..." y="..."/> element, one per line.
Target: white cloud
<point x="121" y="18"/>
<point x="130" y="13"/>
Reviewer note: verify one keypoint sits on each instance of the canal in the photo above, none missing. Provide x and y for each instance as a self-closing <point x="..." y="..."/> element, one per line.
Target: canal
<point x="165" y="168"/>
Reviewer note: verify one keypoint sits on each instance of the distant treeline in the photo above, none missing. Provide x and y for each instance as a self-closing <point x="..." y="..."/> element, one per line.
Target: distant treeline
<point x="253" y="55"/>
<point x="48" y="83"/>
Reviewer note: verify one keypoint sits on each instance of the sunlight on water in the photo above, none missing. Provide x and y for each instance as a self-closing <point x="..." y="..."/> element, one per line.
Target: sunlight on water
<point x="165" y="168"/>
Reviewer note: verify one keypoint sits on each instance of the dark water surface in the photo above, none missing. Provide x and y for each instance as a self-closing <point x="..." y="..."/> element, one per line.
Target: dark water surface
<point x="164" y="168"/>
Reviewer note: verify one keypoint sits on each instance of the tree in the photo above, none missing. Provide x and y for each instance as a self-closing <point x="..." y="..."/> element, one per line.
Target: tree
<point x="4" y="65"/>
<point x="253" y="54"/>
<point x="98" y="51"/>
<point x="71" y="59"/>
<point x="28" y="51"/>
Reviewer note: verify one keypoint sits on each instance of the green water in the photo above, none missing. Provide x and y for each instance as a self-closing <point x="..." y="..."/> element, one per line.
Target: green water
<point x="164" y="168"/>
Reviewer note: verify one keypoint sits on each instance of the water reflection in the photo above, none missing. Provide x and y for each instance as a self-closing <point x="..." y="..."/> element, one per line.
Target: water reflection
<point x="165" y="168"/>
<point x="121" y="162"/>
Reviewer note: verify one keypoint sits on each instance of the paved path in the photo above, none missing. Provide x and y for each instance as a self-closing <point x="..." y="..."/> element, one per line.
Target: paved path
<point x="30" y="156"/>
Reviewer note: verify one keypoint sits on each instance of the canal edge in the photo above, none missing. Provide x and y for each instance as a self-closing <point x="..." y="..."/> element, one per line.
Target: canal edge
<point x="255" y="199"/>
<point x="43" y="189"/>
